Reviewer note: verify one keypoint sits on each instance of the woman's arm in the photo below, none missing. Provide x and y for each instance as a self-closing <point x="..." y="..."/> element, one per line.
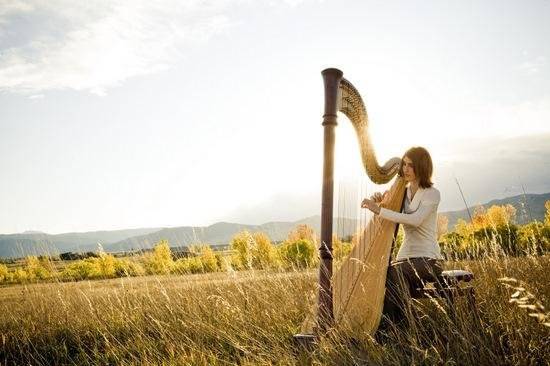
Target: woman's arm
<point x="414" y="219"/>
<point x="428" y="204"/>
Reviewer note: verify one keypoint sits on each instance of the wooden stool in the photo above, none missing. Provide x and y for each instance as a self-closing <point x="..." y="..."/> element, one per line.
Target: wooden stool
<point x="449" y="286"/>
<point x="306" y="341"/>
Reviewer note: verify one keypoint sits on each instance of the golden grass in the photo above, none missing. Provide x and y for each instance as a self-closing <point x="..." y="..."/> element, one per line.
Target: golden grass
<point x="249" y="317"/>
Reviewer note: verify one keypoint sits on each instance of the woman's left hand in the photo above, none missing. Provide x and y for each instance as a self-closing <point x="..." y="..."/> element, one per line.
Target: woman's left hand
<point x="371" y="205"/>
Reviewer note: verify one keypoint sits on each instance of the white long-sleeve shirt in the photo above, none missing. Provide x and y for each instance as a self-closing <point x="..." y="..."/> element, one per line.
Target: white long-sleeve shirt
<point x="419" y="219"/>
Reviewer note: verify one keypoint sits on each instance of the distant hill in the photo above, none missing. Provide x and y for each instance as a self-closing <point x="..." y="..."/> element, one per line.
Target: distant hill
<point x="529" y="207"/>
<point x="38" y="243"/>
<point x="222" y="232"/>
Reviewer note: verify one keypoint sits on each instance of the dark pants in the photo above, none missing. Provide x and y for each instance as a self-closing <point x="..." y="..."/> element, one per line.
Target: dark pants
<point x="403" y="278"/>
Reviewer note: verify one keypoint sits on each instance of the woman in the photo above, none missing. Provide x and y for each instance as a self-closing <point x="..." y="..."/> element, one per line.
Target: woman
<point x="419" y="257"/>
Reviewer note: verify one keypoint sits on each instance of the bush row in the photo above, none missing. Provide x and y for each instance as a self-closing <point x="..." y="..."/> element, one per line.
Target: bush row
<point x="248" y="251"/>
<point x="491" y="232"/>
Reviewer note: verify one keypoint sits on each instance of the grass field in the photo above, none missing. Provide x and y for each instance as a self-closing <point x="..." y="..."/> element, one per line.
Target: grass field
<point x="249" y="317"/>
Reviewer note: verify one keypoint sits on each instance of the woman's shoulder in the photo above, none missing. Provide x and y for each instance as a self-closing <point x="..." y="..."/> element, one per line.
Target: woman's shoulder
<point x="431" y="195"/>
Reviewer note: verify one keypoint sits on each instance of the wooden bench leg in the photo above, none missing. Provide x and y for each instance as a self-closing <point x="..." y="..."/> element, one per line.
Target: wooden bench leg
<point x="450" y="297"/>
<point x="471" y="297"/>
<point x="306" y="342"/>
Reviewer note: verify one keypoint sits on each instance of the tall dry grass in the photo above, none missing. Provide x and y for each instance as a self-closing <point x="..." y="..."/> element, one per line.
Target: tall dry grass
<point x="249" y="317"/>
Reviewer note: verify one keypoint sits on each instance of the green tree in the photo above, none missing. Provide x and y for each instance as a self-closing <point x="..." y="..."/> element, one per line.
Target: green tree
<point x="452" y="247"/>
<point x="534" y="238"/>
<point x="298" y="254"/>
<point x="20" y="275"/>
<point x="4" y="273"/>
<point x="160" y="261"/>
<point x="303" y="231"/>
<point x="202" y="260"/>
<point x="340" y="249"/>
<point x="35" y="269"/>
<point x="205" y="259"/>
<point x="81" y="270"/>
<point x="106" y="265"/>
<point x="494" y="239"/>
<point x="263" y="253"/>
<point x="242" y="245"/>
<point x="128" y="268"/>
<point x="463" y="228"/>
<point x="188" y="265"/>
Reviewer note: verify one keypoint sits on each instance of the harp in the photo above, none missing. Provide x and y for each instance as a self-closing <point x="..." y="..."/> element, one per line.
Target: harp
<point x="353" y="296"/>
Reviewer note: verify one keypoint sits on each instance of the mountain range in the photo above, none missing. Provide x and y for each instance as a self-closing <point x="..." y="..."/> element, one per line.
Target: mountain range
<point x="529" y="207"/>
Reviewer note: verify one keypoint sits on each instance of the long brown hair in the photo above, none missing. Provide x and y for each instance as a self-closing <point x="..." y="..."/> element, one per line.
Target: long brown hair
<point x="422" y="165"/>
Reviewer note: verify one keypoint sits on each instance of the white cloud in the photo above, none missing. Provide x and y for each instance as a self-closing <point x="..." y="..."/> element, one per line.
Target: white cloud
<point x="494" y="120"/>
<point x="8" y="8"/>
<point x="533" y="66"/>
<point x="99" y="45"/>
<point x="526" y="118"/>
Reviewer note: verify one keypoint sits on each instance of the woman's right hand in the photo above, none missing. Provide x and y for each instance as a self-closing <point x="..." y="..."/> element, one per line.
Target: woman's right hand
<point x="378" y="197"/>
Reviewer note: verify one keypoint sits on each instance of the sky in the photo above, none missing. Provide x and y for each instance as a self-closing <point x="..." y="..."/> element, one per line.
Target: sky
<point x="127" y="114"/>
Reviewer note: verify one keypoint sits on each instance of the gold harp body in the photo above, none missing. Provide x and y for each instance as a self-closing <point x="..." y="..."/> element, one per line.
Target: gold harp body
<point x="357" y="287"/>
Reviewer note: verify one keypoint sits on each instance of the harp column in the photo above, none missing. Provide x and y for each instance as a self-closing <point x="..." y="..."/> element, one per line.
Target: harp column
<point x="331" y="78"/>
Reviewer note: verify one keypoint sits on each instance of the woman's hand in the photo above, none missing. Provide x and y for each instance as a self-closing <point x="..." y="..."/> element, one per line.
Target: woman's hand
<point x="378" y="197"/>
<point x="371" y="205"/>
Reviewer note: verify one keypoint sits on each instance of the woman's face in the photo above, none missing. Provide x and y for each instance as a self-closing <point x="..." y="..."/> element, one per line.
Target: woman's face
<point x="408" y="170"/>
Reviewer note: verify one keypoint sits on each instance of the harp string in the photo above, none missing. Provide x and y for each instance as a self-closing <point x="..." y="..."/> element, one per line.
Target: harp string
<point x="348" y="206"/>
<point x="359" y="311"/>
<point x="367" y="229"/>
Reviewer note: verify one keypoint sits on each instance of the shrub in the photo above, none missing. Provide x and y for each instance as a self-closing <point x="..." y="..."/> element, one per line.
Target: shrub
<point x="81" y="270"/>
<point x="160" y="261"/>
<point x="188" y="265"/>
<point x="106" y="265"/>
<point x="501" y="215"/>
<point x="70" y="256"/>
<point x="20" y="275"/>
<point x="451" y="246"/>
<point x="37" y="269"/>
<point x="242" y="244"/>
<point x="5" y="275"/>
<point x="534" y="238"/>
<point x="340" y="249"/>
<point x="208" y="259"/>
<point x="204" y="260"/>
<point x="547" y="215"/>
<point x="224" y="262"/>
<point x="303" y="232"/>
<point x="492" y="231"/>
<point x="495" y="239"/>
<point x="263" y="253"/>
<point x="464" y="229"/>
<point x="298" y="254"/>
<point x="128" y="268"/>
<point x="252" y="251"/>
